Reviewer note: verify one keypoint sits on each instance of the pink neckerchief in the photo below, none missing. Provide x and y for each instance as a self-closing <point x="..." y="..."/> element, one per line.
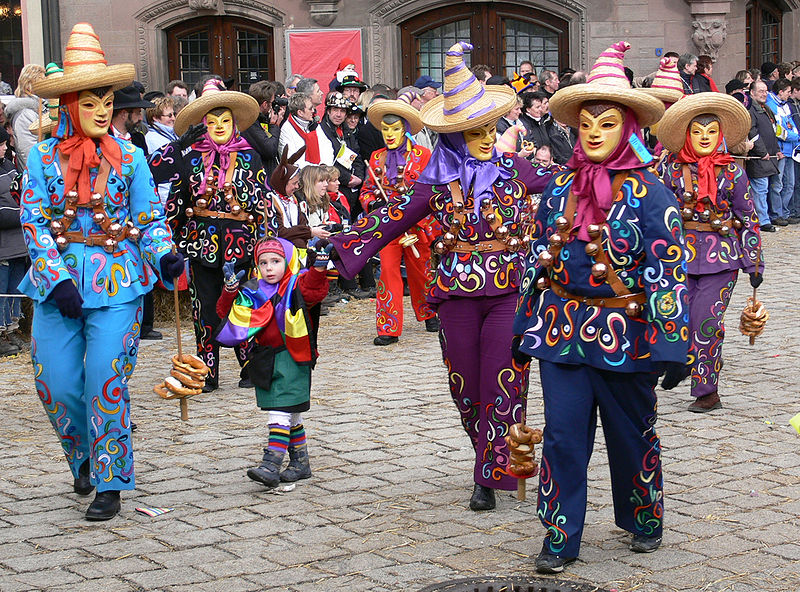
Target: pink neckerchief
<point x="208" y="146"/>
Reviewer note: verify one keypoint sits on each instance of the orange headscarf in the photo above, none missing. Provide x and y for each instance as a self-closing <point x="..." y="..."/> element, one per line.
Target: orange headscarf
<point x="706" y="177"/>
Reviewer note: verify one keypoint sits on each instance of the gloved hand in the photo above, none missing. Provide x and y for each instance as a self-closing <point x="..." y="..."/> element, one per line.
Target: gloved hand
<point x="323" y="256"/>
<point x="232" y="278"/>
<point x="756" y="279"/>
<point x="171" y="266"/>
<point x="333" y="254"/>
<point x="191" y="135"/>
<point x="674" y="373"/>
<point x="68" y="299"/>
<point x="520" y="357"/>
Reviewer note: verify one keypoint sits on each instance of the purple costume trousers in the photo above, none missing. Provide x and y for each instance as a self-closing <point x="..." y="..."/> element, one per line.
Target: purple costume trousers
<point x="487" y="386"/>
<point x="709" y="295"/>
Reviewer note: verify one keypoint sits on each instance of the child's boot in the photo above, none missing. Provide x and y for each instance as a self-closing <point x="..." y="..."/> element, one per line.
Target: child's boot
<point x="299" y="467"/>
<point x="268" y="472"/>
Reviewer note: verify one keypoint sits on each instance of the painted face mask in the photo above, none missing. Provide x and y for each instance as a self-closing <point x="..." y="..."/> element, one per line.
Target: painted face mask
<point x="600" y="135"/>
<point x="94" y="113"/>
<point x="393" y="134"/>
<point x="704" y="138"/>
<point x="480" y="141"/>
<point x="220" y="127"/>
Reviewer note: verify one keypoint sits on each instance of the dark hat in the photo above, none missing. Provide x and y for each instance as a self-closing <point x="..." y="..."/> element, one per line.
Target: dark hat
<point x="129" y="98"/>
<point x="285" y="170"/>
<point x="498" y="80"/>
<point x="354" y="109"/>
<point x="153" y="94"/>
<point x="426" y="81"/>
<point x="336" y="99"/>
<point x="351" y="80"/>
<point x="768" y="68"/>
<point x="4" y="137"/>
<point x="734" y="85"/>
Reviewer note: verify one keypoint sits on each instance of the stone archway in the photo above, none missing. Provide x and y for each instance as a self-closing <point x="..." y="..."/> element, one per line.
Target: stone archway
<point x="384" y="57"/>
<point x="153" y="20"/>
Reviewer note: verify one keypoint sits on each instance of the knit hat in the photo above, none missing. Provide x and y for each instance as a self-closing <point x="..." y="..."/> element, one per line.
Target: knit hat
<point x="244" y="107"/>
<point x="269" y="245"/>
<point x="466" y="104"/>
<point x="667" y="85"/>
<point x="734" y="85"/>
<point x="85" y="67"/>
<point x="401" y="106"/>
<point x="768" y="68"/>
<point x="734" y="119"/>
<point x="606" y="82"/>
<point x="285" y="170"/>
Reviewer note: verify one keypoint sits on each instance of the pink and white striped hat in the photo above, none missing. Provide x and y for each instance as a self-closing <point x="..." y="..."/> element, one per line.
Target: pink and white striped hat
<point x="667" y="85"/>
<point x="606" y="82"/>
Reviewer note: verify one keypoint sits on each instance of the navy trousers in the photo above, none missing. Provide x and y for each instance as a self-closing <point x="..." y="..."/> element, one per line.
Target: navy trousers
<point x="627" y="405"/>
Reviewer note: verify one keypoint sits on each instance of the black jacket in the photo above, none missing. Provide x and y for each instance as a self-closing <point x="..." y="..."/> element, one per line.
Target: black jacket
<point x="763" y="132"/>
<point x="12" y="243"/>
<point x="264" y="142"/>
<point x="544" y="132"/>
<point x="358" y="168"/>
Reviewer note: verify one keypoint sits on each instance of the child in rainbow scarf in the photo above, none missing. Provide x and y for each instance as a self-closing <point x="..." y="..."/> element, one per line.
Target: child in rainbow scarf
<point x="272" y="307"/>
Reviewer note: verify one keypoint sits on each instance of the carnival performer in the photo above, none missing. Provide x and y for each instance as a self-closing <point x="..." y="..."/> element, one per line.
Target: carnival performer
<point x="271" y="308"/>
<point x="96" y="232"/>
<point x="479" y="197"/>
<point x="667" y="87"/>
<point x="396" y="167"/>
<point x="218" y="206"/>
<point x="719" y="221"/>
<point x="604" y="308"/>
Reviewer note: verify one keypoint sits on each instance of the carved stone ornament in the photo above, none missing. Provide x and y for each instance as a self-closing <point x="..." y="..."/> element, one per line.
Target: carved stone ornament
<point x="323" y="12"/>
<point x="203" y="4"/>
<point x="709" y="35"/>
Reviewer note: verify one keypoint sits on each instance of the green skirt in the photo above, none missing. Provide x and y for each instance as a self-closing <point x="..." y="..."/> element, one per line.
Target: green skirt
<point x="291" y="384"/>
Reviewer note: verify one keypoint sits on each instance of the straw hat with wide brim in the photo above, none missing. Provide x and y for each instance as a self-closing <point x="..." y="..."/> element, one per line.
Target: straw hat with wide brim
<point x="401" y="107"/>
<point x="244" y="107"/>
<point x="667" y="85"/>
<point x="733" y="117"/>
<point x="49" y="117"/>
<point x="466" y="104"/>
<point x="606" y="82"/>
<point x="85" y="67"/>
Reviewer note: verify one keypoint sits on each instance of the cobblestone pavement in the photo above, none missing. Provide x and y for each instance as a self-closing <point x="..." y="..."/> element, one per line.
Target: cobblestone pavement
<point x="386" y="507"/>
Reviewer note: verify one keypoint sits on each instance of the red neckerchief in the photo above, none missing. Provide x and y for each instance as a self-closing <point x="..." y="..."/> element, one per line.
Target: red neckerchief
<point x="706" y="176"/>
<point x="310" y="139"/>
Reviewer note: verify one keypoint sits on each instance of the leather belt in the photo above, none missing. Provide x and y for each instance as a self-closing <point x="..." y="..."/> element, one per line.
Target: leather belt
<point x="481" y="247"/>
<point x="703" y="226"/>
<point x="206" y="213"/>
<point x="612" y="302"/>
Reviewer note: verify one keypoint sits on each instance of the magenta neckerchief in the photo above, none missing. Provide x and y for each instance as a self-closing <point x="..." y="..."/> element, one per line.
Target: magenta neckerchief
<point x="206" y="144"/>
<point x="592" y="181"/>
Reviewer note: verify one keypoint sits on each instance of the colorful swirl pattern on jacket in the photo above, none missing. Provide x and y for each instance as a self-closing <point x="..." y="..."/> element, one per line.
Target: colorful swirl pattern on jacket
<point x="643" y="238"/>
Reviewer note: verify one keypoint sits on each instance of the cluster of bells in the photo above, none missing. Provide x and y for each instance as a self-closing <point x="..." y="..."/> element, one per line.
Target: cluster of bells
<point x="114" y="230"/>
<point x="401" y="185"/>
<point x="715" y="220"/>
<point x="599" y="269"/>
<point x="450" y="238"/>
<point x="233" y="205"/>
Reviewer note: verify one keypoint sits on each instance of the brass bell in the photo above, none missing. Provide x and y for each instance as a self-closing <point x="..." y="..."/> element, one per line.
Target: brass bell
<point x="725" y="230"/>
<point x="70" y="213"/>
<point x="592" y="249"/>
<point x="236" y="209"/>
<point x="633" y="310"/>
<point x="491" y="217"/>
<point x="72" y="196"/>
<point x="99" y="217"/>
<point x="96" y="200"/>
<point x="57" y="226"/>
<point x="201" y="203"/>
<point x="705" y="215"/>
<point x="514" y="244"/>
<point x="594" y="230"/>
<point x="449" y="239"/>
<point x="526" y="241"/>
<point x="109" y="245"/>
<point x="62" y="242"/>
<point x="455" y="224"/>
<point x="600" y="270"/>
<point x="250" y="218"/>
<point x="501" y="232"/>
<point x="687" y="214"/>
<point x="401" y="188"/>
<point x="228" y="186"/>
<point x="486" y="203"/>
<point x="134" y="233"/>
<point x="716" y="224"/>
<point x="189" y="212"/>
<point x="543" y="283"/>
<point x="737" y="224"/>
<point x="378" y="171"/>
<point x="535" y="209"/>
<point x="439" y="248"/>
<point x="458" y="207"/>
<point x="556" y="240"/>
<point x="115" y="229"/>
<point x="688" y="196"/>
<point x="546" y="259"/>
<point x="562" y="223"/>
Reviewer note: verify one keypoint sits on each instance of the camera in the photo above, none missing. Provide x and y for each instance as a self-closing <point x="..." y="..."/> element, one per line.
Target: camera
<point x="279" y="102"/>
<point x="333" y="228"/>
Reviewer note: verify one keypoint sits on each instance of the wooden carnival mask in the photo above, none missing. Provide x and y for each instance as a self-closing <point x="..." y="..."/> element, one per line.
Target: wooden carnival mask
<point x="481" y="140"/>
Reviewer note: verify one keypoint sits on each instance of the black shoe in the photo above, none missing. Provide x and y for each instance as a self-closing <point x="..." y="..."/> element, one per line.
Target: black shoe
<point x="768" y="228"/>
<point x="547" y="563"/>
<point x="482" y="499"/>
<point x="83" y="485"/>
<point x="432" y="325"/>
<point x="324" y="311"/>
<point x="385" y="340"/>
<point x="210" y="385"/>
<point x="246" y="383"/>
<point x="18" y="339"/>
<point x="645" y="544"/>
<point x="152" y="335"/>
<point x="357" y="294"/>
<point x="372" y="293"/>
<point x="793" y="220"/>
<point x="780" y="222"/>
<point x="105" y="506"/>
<point x="6" y="347"/>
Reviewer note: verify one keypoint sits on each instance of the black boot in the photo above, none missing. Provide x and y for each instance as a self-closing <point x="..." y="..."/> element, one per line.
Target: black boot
<point x="432" y="325"/>
<point x="299" y="467"/>
<point x="211" y="384"/>
<point x="482" y="498"/>
<point x="268" y="472"/>
<point x="105" y="506"/>
<point x="83" y="485"/>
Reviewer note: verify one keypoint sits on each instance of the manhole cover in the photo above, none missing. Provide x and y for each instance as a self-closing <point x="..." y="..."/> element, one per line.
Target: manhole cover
<point x="511" y="585"/>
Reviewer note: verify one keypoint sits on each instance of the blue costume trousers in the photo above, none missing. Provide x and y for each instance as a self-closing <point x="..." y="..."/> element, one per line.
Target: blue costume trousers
<point x="82" y="367"/>
<point x="627" y="404"/>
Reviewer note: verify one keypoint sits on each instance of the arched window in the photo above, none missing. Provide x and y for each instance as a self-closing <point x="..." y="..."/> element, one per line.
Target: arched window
<point x="763" y="33"/>
<point x="503" y="35"/>
<point x="231" y="47"/>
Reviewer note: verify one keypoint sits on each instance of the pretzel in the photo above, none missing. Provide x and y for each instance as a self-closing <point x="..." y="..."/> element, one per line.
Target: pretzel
<point x="162" y="391"/>
<point x="521" y="439"/>
<point x="754" y="318"/>
<point x="191" y="362"/>
<point x="187" y="380"/>
<point x="174" y="385"/>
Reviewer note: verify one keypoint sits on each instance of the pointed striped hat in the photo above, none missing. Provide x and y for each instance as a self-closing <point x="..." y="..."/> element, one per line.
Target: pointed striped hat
<point x="401" y="107"/>
<point x="606" y="82"/>
<point x="466" y="104"/>
<point x="667" y="85"/>
<point x="85" y="67"/>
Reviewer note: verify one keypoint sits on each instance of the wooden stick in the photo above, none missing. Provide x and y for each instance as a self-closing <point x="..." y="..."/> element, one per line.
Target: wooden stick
<point x="521" y="489"/>
<point x="183" y="401"/>
<point x="39" y="114"/>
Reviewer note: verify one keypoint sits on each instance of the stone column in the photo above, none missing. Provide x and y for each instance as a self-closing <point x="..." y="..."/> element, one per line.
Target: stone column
<point x="710" y="25"/>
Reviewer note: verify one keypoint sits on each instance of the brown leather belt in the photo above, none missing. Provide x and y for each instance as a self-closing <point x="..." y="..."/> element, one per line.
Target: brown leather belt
<point x="481" y="247"/>
<point x="612" y="302"/>
<point x="92" y="240"/>
<point x="206" y="213"/>
<point x="703" y="226"/>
